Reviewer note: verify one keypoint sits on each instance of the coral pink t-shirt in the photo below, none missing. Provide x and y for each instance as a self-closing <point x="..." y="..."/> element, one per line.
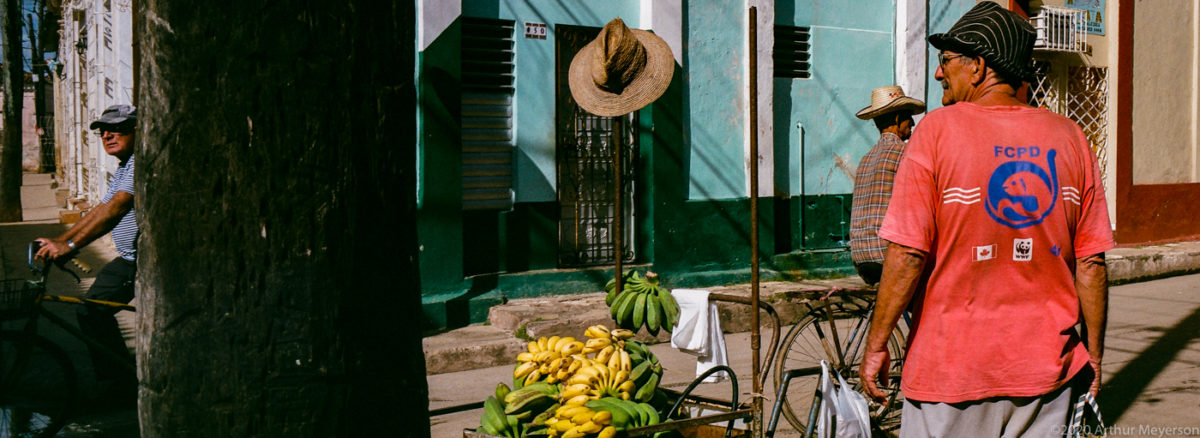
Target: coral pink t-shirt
<point x="1003" y="199"/>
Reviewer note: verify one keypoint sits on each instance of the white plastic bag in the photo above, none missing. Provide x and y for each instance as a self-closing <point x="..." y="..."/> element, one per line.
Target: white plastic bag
<point x="1078" y="428"/>
<point x="843" y="412"/>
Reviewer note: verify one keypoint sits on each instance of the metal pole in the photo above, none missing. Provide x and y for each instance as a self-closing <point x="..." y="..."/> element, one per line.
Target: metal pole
<point x="755" y="335"/>
<point x="618" y="196"/>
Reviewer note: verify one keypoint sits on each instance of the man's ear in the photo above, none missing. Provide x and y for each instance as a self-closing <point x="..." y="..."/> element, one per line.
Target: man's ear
<point x="979" y="70"/>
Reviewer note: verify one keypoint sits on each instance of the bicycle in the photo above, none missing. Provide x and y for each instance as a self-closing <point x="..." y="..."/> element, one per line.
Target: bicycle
<point x="38" y="385"/>
<point x="834" y="328"/>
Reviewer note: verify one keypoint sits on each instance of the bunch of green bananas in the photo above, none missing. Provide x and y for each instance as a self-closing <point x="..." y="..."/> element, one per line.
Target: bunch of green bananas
<point x="506" y="413"/>
<point x="530" y="398"/>
<point x="638" y="352"/>
<point x="642" y="301"/>
<point x="626" y="414"/>
<point x="495" y="422"/>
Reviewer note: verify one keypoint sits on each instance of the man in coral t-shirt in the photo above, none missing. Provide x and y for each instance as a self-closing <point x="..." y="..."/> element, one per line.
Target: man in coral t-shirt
<point x="1001" y="206"/>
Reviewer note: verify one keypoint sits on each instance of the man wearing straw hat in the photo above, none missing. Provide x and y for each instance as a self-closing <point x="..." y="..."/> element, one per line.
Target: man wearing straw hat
<point x="892" y="112"/>
<point x="1000" y="205"/>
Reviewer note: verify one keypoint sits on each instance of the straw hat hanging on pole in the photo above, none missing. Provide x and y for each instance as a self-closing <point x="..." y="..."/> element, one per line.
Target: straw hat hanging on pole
<point x="620" y="71"/>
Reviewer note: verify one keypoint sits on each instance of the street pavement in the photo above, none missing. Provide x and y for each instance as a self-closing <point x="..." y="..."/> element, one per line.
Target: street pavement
<point x="1152" y="364"/>
<point x="1151" y="372"/>
<point x="40" y="219"/>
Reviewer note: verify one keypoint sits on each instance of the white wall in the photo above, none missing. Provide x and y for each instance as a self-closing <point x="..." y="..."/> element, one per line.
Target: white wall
<point x="105" y="75"/>
<point x="1164" y="92"/>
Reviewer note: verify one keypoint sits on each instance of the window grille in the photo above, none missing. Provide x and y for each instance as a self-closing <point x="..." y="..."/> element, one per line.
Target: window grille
<point x="1087" y="105"/>
<point x="46" y="123"/>
<point x="586" y="197"/>
<point x="792" y="55"/>
<point x="584" y="158"/>
<point x="1045" y="90"/>
<point x="1081" y="94"/>
<point x="487" y="95"/>
<point x="1060" y="29"/>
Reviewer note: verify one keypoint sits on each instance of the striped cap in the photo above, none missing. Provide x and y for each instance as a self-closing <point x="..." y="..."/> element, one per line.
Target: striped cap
<point x="1003" y="38"/>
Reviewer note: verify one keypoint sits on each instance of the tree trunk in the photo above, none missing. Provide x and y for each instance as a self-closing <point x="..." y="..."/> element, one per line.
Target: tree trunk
<point x="275" y="194"/>
<point x="10" y="150"/>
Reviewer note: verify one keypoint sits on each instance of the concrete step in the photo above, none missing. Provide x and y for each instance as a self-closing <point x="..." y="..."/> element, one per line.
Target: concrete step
<point x="469" y="348"/>
<point x="511" y="325"/>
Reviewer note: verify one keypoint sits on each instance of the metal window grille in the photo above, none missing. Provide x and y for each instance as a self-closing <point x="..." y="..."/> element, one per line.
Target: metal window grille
<point x="793" y="52"/>
<point x="1087" y="105"/>
<point x="584" y="169"/>
<point x="1060" y="29"/>
<point x="586" y="195"/>
<point x="1045" y="90"/>
<point x="487" y="95"/>
<point x="46" y="123"/>
<point x="1081" y="94"/>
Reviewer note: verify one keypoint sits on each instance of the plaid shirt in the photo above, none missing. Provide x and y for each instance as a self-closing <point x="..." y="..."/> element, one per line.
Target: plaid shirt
<point x="872" y="191"/>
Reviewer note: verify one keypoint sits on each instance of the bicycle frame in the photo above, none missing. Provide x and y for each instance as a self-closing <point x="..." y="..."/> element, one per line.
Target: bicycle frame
<point x="43" y="273"/>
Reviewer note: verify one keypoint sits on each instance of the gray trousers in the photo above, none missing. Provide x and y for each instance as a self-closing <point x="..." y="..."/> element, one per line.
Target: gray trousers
<point x="1042" y="416"/>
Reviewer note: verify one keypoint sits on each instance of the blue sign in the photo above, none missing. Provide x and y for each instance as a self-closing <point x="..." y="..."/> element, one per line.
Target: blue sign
<point x="1095" y="16"/>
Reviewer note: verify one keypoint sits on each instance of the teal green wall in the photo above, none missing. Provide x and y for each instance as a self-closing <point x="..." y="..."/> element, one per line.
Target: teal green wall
<point x="941" y="15"/>
<point x="534" y="106"/>
<point x="852" y="54"/>
<point x="696" y="235"/>
<point x="439" y="212"/>
<point x="693" y="223"/>
<point x="817" y="138"/>
<point x="714" y="102"/>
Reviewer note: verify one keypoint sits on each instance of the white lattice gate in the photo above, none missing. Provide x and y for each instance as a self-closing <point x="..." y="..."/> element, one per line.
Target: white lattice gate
<point x="1081" y="94"/>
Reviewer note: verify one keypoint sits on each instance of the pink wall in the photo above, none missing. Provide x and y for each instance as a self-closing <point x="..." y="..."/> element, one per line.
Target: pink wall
<point x="30" y="145"/>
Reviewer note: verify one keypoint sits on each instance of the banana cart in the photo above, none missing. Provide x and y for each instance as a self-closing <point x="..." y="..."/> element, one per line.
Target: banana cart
<point x="719" y="415"/>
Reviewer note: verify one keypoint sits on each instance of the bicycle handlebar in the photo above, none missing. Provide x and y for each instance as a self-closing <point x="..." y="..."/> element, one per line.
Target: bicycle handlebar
<point x="44" y="270"/>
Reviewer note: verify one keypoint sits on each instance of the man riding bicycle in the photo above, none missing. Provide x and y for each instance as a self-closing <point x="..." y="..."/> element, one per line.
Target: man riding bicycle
<point x="114" y="282"/>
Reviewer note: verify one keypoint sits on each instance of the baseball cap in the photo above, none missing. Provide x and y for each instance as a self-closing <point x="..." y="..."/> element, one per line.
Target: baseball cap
<point x="116" y="115"/>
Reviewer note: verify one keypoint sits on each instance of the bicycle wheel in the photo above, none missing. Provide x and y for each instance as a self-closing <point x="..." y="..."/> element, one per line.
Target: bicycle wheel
<point x="37" y="386"/>
<point x="835" y="330"/>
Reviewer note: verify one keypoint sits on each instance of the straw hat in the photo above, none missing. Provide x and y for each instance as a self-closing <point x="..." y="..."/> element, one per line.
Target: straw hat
<point x="889" y="99"/>
<point x="620" y="71"/>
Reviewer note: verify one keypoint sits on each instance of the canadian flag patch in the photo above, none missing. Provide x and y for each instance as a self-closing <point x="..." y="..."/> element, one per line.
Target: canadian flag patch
<point x="987" y="252"/>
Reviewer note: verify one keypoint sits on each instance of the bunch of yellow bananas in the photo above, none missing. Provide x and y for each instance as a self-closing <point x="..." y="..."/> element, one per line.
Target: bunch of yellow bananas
<point x="594" y="381"/>
<point x="608" y="346"/>
<point x="559" y="378"/>
<point x="552" y="358"/>
<point x="578" y="421"/>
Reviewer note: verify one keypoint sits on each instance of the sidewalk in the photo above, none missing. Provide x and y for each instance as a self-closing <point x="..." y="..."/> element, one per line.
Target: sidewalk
<point x="482" y="346"/>
<point x="40" y="219"/>
<point x="1152" y="363"/>
<point x="1151" y="372"/>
